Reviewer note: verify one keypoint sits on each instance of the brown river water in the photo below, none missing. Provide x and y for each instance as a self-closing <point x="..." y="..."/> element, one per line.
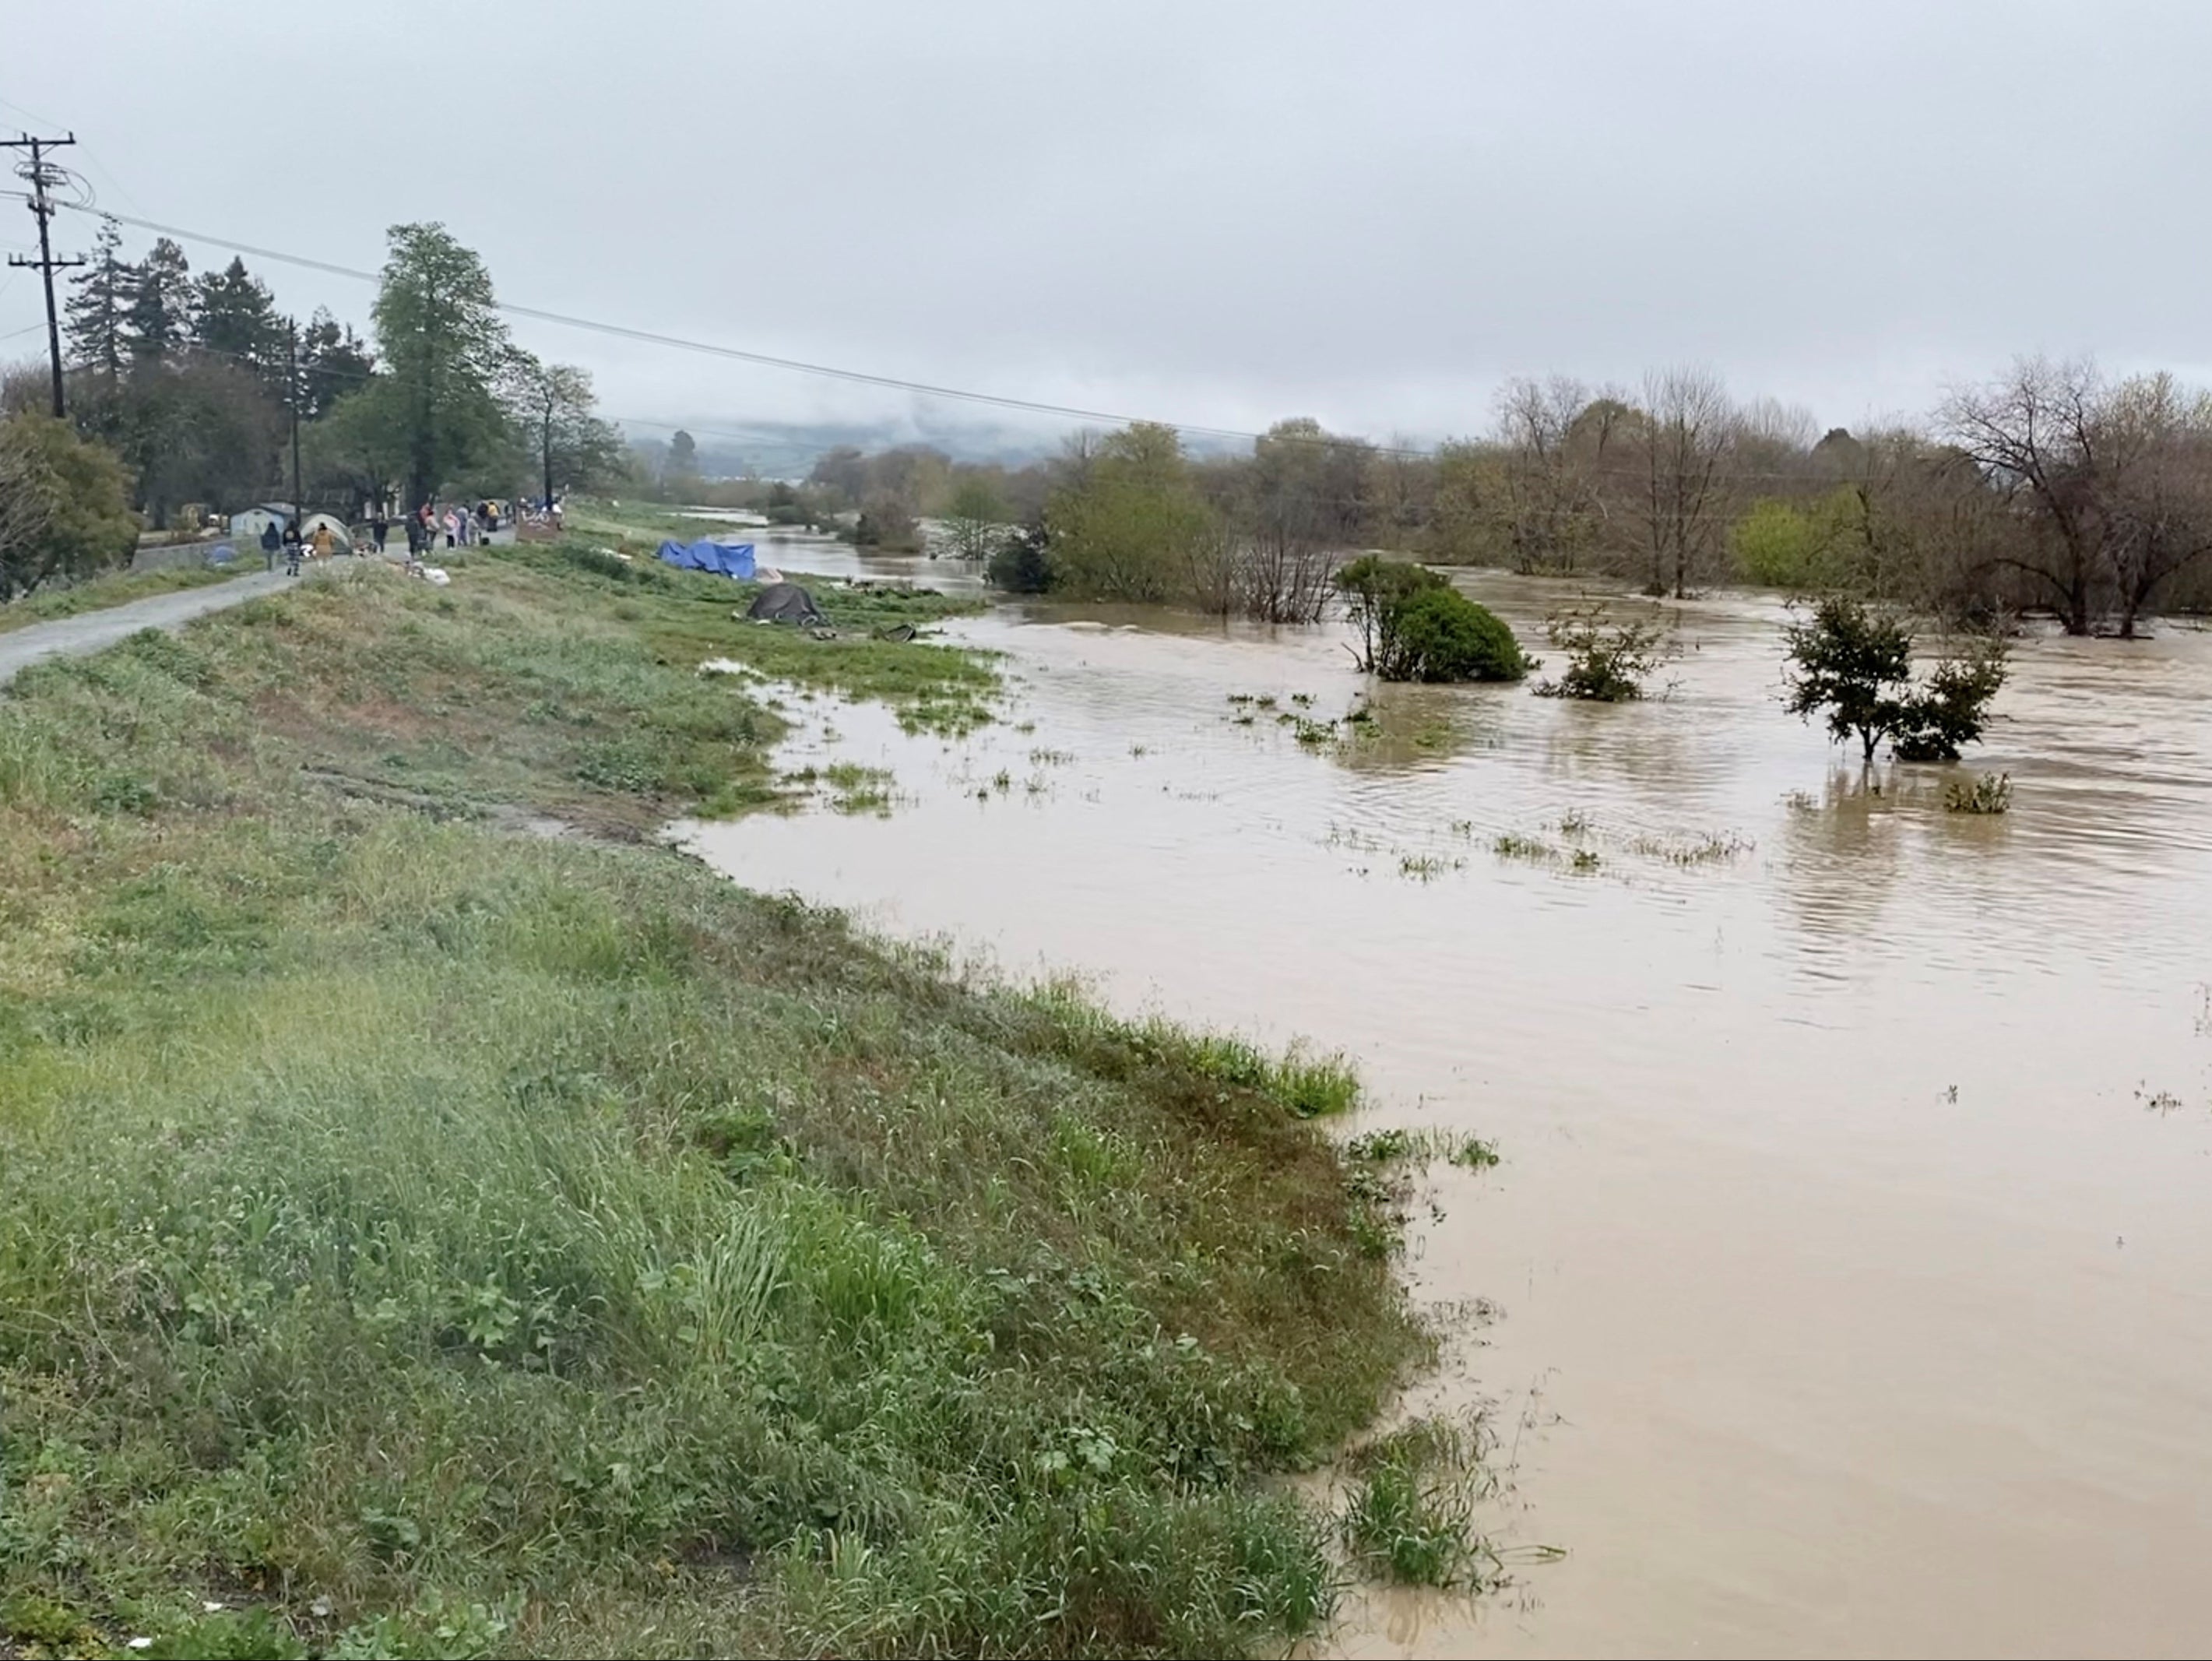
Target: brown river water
<point x="1846" y="1286"/>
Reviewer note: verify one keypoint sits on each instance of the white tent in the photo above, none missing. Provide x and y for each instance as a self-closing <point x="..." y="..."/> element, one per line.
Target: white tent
<point x="247" y="526"/>
<point x="339" y="534"/>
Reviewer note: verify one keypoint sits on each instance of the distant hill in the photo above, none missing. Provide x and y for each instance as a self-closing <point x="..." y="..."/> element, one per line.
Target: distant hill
<point x="730" y="447"/>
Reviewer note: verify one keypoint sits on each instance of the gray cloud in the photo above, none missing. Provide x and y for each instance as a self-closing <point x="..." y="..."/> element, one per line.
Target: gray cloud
<point x="1213" y="213"/>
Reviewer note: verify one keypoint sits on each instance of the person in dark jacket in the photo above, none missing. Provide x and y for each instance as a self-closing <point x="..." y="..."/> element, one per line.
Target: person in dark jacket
<point x="271" y="542"/>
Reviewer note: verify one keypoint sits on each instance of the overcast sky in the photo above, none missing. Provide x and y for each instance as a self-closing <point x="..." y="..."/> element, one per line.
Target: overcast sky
<point x="1207" y="213"/>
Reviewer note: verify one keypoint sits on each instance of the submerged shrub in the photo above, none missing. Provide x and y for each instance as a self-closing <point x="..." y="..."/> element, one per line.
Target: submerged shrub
<point x="1414" y="625"/>
<point x="1607" y="662"/>
<point x="1443" y="635"/>
<point x="1991" y="792"/>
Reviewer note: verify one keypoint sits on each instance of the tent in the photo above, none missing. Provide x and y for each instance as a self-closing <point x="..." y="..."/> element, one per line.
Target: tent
<point x="783" y="602"/>
<point x="339" y="535"/>
<point x="247" y="525"/>
<point x="729" y="559"/>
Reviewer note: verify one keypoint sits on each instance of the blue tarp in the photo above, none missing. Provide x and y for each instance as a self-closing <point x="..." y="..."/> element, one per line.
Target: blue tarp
<point x="731" y="559"/>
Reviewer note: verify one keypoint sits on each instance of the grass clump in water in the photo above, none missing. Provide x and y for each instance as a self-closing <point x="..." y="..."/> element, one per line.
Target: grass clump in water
<point x="429" y="1240"/>
<point x="1410" y="1516"/>
<point x="857" y="790"/>
<point x="1513" y="846"/>
<point x="1988" y="792"/>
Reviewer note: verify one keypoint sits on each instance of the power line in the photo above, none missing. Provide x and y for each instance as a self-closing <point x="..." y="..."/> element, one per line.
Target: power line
<point x="923" y="388"/>
<point x="857" y="377"/>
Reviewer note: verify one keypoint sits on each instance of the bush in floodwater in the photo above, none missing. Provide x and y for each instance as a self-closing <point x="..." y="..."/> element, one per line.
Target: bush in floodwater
<point x="1607" y="662"/>
<point x="1410" y="1518"/>
<point x="1991" y="792"/>
<point x="1443" y="635"/>
<point x="1020" y="563"/>
<point x="1414" y="625"/>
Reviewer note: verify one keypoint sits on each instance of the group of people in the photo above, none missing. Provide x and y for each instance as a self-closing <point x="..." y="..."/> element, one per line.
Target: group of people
<point x="319" y="544"/>
<point x="462" y="526"/>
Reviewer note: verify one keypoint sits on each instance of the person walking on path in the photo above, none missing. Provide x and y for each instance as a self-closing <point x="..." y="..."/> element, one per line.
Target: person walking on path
<point x="292" y="550"/>
<point x="380" y="527"/>
<point x="322" y="542"/>
<point x="271" y="542"/>
<point x="453" y="528"/>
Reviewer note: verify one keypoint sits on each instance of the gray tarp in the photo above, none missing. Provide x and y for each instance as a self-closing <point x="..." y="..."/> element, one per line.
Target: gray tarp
<point x="784" y="602"/>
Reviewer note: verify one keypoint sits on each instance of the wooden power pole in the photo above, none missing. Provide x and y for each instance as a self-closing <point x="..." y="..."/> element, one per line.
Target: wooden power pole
<point x="40" y="174"/>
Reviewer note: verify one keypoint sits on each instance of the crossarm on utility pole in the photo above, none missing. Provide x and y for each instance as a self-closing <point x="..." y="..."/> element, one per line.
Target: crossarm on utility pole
<point x="35" y="170"/>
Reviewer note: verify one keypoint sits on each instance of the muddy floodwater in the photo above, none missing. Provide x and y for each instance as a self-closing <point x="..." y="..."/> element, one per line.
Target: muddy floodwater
<point x="1846" y="1284"/>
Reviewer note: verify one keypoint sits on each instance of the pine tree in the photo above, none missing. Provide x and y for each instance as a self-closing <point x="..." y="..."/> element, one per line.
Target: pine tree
<point x="333" y="361"/>
<point x="159" y="324"/>
<point x="234" y="318"/>
<point x="98" y="321"/>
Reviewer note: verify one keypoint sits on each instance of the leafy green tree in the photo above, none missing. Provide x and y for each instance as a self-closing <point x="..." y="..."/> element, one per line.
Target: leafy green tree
<point x="443" y="348"/>
<point x="202" y="429"/>
<point x="158" y="323"/>
<point x="357" y="449"/>
<point x="553" y="408"/>
<point x="99" y="307"/>
<point x="64" y="506"/>
<point x="1852" y="664"/>
<point x="1125" y="529"/>
<point x="977" y="519"/>
<point x="234" y="318"/>
<point x="1950" y="708"/>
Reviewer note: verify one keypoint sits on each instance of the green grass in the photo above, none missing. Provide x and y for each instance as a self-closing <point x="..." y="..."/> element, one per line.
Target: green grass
<point x="97" y="594"/>
<point x="688" y="616"/>
<point x="1412" y="1512"/>
<point x="424" y="1239"/>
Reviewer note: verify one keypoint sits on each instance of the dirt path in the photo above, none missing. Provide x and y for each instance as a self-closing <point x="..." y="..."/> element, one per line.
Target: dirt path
<point x="91" y="631"/>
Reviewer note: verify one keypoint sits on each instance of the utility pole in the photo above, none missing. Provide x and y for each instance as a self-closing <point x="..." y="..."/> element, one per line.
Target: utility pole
<point x="549" y="448"/>
<point x="38" y="171"/>
<point x="292" y="390"/>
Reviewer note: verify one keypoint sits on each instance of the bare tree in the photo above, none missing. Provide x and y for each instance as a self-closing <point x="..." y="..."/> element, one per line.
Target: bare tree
<point x="1548" y="504"/>
<point x="2038" y="435"/>
<point x="2162" y="502"/>
<point x="1687" y="431"/>
<point x="1305" y="504"/>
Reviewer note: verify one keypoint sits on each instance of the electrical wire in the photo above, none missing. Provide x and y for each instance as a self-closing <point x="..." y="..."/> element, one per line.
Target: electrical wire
<point x="619" y="331"/>
<point x="919" y="388"/>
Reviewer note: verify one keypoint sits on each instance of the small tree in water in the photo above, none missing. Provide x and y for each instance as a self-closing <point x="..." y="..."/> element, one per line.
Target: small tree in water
<point x="1607" y="662"/>
<point x="1854" y="665"/>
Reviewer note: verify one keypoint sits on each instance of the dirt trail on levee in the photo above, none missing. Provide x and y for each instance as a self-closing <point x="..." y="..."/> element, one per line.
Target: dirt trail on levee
<point x="92" y="631"/>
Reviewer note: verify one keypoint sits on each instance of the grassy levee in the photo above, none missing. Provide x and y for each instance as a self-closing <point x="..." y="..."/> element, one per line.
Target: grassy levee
<point x="427" y="1239"/>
